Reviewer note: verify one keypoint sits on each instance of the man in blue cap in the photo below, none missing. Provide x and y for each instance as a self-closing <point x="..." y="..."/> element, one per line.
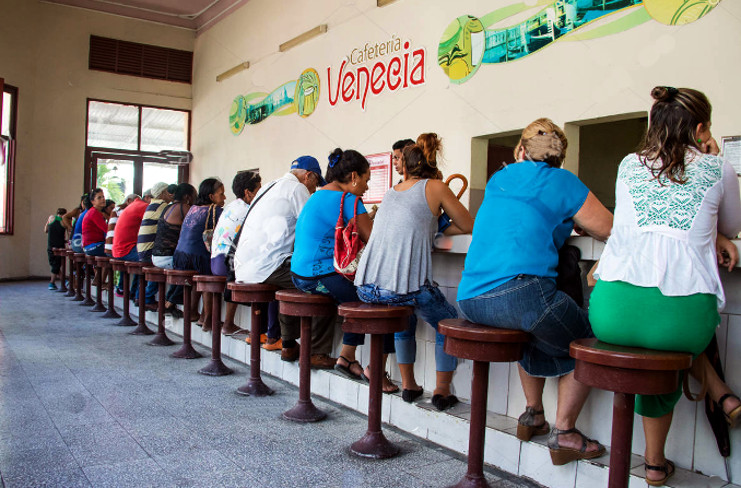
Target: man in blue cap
<point x="265" y="247"/>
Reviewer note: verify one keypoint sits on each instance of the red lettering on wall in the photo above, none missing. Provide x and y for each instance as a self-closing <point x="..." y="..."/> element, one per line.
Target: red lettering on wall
<point x="379" y="69"/>
<point x="394" y="63"/>
<point x="419" y="68"/>
<point x="348" y="86"/>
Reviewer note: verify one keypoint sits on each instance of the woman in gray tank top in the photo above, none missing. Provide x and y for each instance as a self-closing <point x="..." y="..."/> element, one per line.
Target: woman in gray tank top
<point x="396" y="266"/>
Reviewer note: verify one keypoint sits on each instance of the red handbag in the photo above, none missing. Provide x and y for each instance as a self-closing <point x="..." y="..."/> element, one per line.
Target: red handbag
<point x="347" y="244"/>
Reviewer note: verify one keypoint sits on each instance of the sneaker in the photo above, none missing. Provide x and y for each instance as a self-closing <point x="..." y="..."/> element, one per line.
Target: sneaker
<point x="52" y="286"/>
<point x="118" y="292"/>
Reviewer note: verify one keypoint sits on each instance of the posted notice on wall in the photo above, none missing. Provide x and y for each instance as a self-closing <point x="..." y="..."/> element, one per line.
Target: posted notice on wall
<point x="380" y="181"/>
<point x="730" y="150"/>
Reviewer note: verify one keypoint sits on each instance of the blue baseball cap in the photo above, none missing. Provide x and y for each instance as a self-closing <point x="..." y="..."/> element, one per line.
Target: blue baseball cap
<point x="309" y="163"/>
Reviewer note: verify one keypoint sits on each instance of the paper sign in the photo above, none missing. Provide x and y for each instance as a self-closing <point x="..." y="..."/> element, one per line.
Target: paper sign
<point x="380" y="181"/>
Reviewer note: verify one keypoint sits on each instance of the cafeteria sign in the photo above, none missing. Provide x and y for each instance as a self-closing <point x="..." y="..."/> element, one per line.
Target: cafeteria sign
<point x="401" y="68"/>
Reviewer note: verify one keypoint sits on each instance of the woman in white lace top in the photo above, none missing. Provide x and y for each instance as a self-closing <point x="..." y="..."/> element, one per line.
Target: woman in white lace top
<point x="676" y="205"/>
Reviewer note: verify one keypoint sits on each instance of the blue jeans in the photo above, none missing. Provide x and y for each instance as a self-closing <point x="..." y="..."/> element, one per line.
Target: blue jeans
<point x="341" y="290"/>
<point x="132" y="256"/>
<point x="534" y="305"/>
<point x="97" y="249"/>
<point x="430" y="304"/>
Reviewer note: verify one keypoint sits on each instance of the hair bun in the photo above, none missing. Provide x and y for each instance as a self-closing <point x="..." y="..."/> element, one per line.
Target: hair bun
<point x="663" y="93"/>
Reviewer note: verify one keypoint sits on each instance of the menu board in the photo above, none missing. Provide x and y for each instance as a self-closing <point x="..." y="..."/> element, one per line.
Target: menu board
<point x="731" y="151"/>
<point x="380" y="181"/>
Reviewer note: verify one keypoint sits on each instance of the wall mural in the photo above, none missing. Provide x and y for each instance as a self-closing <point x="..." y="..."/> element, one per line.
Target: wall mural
<point x="467" y="43"/>
<point x="298" y="96"/>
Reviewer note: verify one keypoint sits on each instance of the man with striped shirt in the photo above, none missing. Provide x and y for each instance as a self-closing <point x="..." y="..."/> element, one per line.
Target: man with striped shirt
<point x="148" y="230"/>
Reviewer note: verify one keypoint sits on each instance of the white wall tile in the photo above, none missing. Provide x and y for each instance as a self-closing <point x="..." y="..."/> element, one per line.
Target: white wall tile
<point x="591" y="475"/>
<point x="448" y="431"/>
<point x="535" y="463"/>
<point x="502" y="450"/>
<point x="343" y="391"/>
<point x="411" y="418"/>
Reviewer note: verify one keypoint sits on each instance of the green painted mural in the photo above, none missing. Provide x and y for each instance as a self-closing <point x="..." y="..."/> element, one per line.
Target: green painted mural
<point x="297" y="96"/>
<point x="468" y="42"/>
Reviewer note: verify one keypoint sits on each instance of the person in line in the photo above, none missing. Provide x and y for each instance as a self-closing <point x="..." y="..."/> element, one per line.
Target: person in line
<point x="396" y="155"/>
<point x="167" y="236"/>
<point x="658" y="282"/>
<point x="147" y="232"/>
<point x="245" y="186"/>
<point x="124" y="239"/>
<point x="55" y="238"/>
<point x="509" y="278"/>
<point x="94" y="225"/>
<point x="265" y="248"/>
<point x="191" y="252"/>
<point x="112" y="220"/>
<point x="396" y="266"/>
<point x="72" y="220"/>
<point x="312" y="265"/>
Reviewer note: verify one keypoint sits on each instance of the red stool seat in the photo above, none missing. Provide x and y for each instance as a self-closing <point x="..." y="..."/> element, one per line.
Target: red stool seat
<point x="626" y="371"/>
<point x="377" y="320"/>
<point x="483" y="345"/>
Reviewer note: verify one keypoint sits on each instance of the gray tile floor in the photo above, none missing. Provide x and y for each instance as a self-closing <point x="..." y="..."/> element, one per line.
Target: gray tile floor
<point x="82" y="403"/>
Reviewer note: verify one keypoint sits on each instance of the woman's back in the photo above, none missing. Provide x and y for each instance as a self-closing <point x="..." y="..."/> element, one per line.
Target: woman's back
<point x="168" y="229"/>
<point x="191" y="232"/>
<point x="664" y="232"/>
<point x="398" y="254"/>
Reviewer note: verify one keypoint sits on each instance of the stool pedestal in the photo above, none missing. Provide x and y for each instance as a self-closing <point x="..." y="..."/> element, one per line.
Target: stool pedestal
<point x="184" y="278"/>
<point x="79" y="259"/>
<point x="257" y="295"/>
<point x="98" y="274"/>
<point x="136" y="268"/>
<point x="306" y="306"/>
<point x="157" y="275"/>
<point x="626" y="371"/>
<point x="104" y="263"/>
<point x="214" y="285"/>
<point x="120" y="266"/>
<point x="69" y="254"/>
<point x="483" y="345"/>
<point x="89" y="271"/>
<point x="376" y="320"/>
<point x="62" y="255"/>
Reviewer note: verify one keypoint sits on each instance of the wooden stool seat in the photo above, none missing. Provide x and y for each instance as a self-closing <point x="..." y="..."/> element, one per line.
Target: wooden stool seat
<point x="377" y="320"/>
<point x="157" y="275"/>
<point x="184" y="278"/>
<point x="297" y="303"/>
<point x="483" y="344"/>
<point x="214" y="285"/>
<point x="120" y="266"/>
<point x="137" y="268"/>
<point x="626" y="371"/>
<point x="258" y="296"/>
<point x="79" y="257"/>
<point x="104" y="263"/>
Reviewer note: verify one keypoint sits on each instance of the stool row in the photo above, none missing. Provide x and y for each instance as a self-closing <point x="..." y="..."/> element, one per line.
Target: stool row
<point x="625" y="371"/>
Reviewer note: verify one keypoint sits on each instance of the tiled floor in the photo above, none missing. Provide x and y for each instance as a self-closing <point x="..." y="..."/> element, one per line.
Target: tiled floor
<point x="82" y="403"/>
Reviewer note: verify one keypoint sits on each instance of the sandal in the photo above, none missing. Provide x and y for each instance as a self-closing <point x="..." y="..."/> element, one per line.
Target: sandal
<point x="346" y="371"/>
<point x="526" y="427"/>
<point x="393" y="388"/>
<point x="668" y="470"/>
<point x="735" y="414"/>
<point x="410" y="395"/>
<point x="563" y="455"/>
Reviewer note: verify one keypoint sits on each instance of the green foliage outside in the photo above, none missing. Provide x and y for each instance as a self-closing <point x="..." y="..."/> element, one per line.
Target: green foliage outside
<point x="114" y="186"/>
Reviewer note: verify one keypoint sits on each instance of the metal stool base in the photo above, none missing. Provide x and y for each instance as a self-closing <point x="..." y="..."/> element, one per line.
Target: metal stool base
<point x="304" y="412"/>
<point x="142" y="330"/>
<point x="472" y="481"/>
<point x="126" y="322"/>
<point x="161" y="340"/>
<point x="374" y="445"/>
<point x="255" y="387"/>
<point x="216" y="368"/>
<point x="111" y="314"/>
<point x="186" y="352"/>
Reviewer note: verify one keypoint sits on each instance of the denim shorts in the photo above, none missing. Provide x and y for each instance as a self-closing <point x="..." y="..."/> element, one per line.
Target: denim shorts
<point x="534" y="305"/>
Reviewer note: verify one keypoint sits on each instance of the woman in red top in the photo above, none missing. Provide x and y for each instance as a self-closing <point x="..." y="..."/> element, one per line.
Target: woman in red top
<point x="94" y="226"/>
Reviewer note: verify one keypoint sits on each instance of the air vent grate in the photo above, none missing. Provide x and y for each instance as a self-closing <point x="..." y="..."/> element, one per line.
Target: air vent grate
<point x="144" y="60"/>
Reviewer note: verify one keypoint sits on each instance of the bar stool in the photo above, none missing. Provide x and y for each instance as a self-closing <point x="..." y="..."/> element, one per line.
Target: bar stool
<point x="98" y="274"/>
<point x="104" y="263"/>
<point x="88" y="270"/>
<point x="120" y="266"/>
<point x="376" y="320"/>
<point x="61" y="253"/>
<point x="214" y="285"/>
<point x="483" y="345"/>
<point x="297" y="303"/>
<point x="258" y="295"/>
<point x="626" y="371"/>
<point x="184" y="278"/>
<point x="137" y="268"/>
<point x="70" y="258"/>
<point x="157" y="275"/>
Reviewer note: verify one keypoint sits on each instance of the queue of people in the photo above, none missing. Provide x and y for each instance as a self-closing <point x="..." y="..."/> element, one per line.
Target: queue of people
<point x="677" y="205"/>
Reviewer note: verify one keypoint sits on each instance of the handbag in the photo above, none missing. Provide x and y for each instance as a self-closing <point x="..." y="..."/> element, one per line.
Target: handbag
<point x="208" y="233"/>
<point x="348" y="247"/>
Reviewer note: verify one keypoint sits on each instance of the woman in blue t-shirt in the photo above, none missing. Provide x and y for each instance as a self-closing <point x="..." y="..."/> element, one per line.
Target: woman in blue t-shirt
<point x="509" y="280"/>
<point x="312" y="264"/>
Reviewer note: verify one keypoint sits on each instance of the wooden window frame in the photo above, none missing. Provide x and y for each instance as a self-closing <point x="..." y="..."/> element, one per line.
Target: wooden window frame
<point x="10" y="177"/>
<point x="138" y="157"/>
